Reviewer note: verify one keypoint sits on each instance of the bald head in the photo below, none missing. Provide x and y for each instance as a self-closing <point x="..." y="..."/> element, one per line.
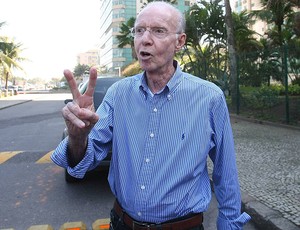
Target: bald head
<point x="167" y="8"/>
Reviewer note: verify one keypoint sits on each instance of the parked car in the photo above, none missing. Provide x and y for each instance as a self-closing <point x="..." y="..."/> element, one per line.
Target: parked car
<point x="12" y="87"/>
<point x="102" y="85"/>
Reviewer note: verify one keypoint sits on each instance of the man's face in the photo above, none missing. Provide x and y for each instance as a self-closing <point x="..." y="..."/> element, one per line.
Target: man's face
<point x="155" y="52"/>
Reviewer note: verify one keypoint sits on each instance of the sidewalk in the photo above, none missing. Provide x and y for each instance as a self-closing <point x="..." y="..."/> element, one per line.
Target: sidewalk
<point x="9" y="101"/>
<point x="268" y="159"/>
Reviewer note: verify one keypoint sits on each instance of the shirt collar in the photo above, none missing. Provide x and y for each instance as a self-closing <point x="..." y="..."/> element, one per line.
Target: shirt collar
<point x="171" y="85"/>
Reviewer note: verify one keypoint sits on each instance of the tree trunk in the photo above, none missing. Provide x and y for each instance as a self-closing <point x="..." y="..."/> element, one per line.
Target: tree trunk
<point x="6" y="80"/>
<point x="232" y="56"/>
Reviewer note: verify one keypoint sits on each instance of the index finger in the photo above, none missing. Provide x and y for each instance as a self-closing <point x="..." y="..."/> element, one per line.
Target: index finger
<point x="92" y="82"/>
<point x="72" y="84"/>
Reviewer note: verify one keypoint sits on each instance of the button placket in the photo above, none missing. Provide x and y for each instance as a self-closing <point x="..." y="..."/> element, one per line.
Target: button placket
<point x="146" y="171"/>
<point x="149" y="151"/>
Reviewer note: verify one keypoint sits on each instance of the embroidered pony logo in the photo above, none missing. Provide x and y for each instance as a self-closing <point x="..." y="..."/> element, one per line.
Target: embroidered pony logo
<point x="183" y="136"/>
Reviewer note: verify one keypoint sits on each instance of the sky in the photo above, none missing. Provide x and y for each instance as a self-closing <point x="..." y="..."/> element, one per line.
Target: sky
<point x="52" y="33"/>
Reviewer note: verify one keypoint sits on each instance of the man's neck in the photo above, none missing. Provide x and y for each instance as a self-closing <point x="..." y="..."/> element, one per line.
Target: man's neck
<point x="158" y="80"/>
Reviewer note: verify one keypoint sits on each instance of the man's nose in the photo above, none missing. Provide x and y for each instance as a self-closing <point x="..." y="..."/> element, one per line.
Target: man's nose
<point x="147" y="37"/>
<point x="147" y="31"/>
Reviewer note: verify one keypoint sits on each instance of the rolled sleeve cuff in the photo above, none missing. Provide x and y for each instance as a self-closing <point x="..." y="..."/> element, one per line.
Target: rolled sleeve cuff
<point x="60" y="158"/>
<point x="236" y="224"/>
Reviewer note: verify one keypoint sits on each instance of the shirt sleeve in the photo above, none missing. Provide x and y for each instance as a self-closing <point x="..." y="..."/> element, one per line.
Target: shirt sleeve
<point x="225" y="176"/>
<point x="59" y="157"/>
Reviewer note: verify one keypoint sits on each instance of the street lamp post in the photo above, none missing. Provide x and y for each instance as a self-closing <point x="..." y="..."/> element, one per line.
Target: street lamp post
<point x="119" y="69"/>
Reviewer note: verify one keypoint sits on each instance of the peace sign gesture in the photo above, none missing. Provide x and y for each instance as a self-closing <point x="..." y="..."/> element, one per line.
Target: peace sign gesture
<point x="79" y="115"/>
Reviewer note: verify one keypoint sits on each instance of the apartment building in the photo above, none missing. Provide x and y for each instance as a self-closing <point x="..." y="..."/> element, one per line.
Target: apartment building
<point x="249" y="5"/>
<point x="112" y="14"/>
<point x="90" y="58"/>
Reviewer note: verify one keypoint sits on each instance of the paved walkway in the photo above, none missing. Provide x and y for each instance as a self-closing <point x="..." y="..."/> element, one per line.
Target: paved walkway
<point x="268" y="159"/>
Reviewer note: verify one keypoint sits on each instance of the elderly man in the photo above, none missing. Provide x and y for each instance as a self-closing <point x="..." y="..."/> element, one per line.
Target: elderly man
<point x="162" y="125"/>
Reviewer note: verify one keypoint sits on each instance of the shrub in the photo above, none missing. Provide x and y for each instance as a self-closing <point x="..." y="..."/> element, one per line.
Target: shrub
<point x="294" y="90"/>
<point x="132" y="69"/>
<point x="260" y="98"/>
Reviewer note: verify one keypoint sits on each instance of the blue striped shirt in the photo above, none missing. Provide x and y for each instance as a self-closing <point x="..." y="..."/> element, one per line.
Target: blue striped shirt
<point x="160" y="146"/>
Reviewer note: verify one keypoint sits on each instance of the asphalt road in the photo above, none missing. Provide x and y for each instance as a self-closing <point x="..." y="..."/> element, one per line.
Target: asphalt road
<point x="33" y="189"/>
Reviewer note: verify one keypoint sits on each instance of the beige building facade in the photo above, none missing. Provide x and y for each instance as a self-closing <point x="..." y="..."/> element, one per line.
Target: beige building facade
<point x="250" y="5"/>
<point x="90" y="58"/>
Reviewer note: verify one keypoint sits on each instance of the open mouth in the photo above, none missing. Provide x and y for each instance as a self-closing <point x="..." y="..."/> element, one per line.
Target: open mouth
<point x="145" y="54"/>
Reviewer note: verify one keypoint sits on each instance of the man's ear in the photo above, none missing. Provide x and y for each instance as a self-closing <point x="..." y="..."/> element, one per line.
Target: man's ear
<point x="180" y="41"/>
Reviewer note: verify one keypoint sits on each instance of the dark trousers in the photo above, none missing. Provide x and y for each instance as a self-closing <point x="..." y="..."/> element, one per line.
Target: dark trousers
<point x="116" y="223"/>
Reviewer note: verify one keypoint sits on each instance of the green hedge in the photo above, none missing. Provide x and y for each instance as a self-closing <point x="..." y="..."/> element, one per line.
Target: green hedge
<point x="259" y="98"/>
<point x="293" y="90"/>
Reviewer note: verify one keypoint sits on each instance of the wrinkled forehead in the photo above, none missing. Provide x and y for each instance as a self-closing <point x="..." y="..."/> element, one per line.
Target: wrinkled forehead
<point x="163" y="16"/>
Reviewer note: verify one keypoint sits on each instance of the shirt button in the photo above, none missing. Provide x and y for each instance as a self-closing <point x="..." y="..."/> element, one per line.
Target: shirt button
<point x="169" y="97"/>
<point x="151" y="134"/>
<point x="147" y="160"/>
<point x="143" y="187"/>
<point x="155" y="109"/>
<point x="139" y="213"/>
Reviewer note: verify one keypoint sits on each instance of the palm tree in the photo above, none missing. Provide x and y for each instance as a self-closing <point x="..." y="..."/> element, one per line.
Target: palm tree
<point x="276" y="12"/>
<point x="125" y="37"/>
<point x="9" y="57"/>
<point x="205" y="40"/>
<point x="245" y="37"/>
<point x="195" y="24"/>
<point x="2" y="56"/>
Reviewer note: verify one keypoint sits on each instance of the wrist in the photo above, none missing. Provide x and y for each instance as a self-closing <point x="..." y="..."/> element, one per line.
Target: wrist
<point x="76" y="149"/>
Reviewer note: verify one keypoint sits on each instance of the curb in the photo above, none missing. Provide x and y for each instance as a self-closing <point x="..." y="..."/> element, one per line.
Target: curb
<point x="265" y="217"/>
<point x="18" y="103"/>
<point x="257" y="121"/>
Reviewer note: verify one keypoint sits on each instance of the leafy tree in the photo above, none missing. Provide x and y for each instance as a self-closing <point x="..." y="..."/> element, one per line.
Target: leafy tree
<point x="79" y="70"/>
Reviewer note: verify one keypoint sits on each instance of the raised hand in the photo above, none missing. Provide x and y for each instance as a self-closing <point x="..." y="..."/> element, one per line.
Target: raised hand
<point x="79" y="115"/>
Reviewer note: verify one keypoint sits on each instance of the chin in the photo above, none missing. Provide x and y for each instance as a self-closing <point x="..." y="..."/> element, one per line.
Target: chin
<point x="146" y="66"/>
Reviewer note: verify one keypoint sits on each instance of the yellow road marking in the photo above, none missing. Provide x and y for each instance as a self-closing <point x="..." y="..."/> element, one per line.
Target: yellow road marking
<point x="4" y="156"/>
<point x="45" y="159"/>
